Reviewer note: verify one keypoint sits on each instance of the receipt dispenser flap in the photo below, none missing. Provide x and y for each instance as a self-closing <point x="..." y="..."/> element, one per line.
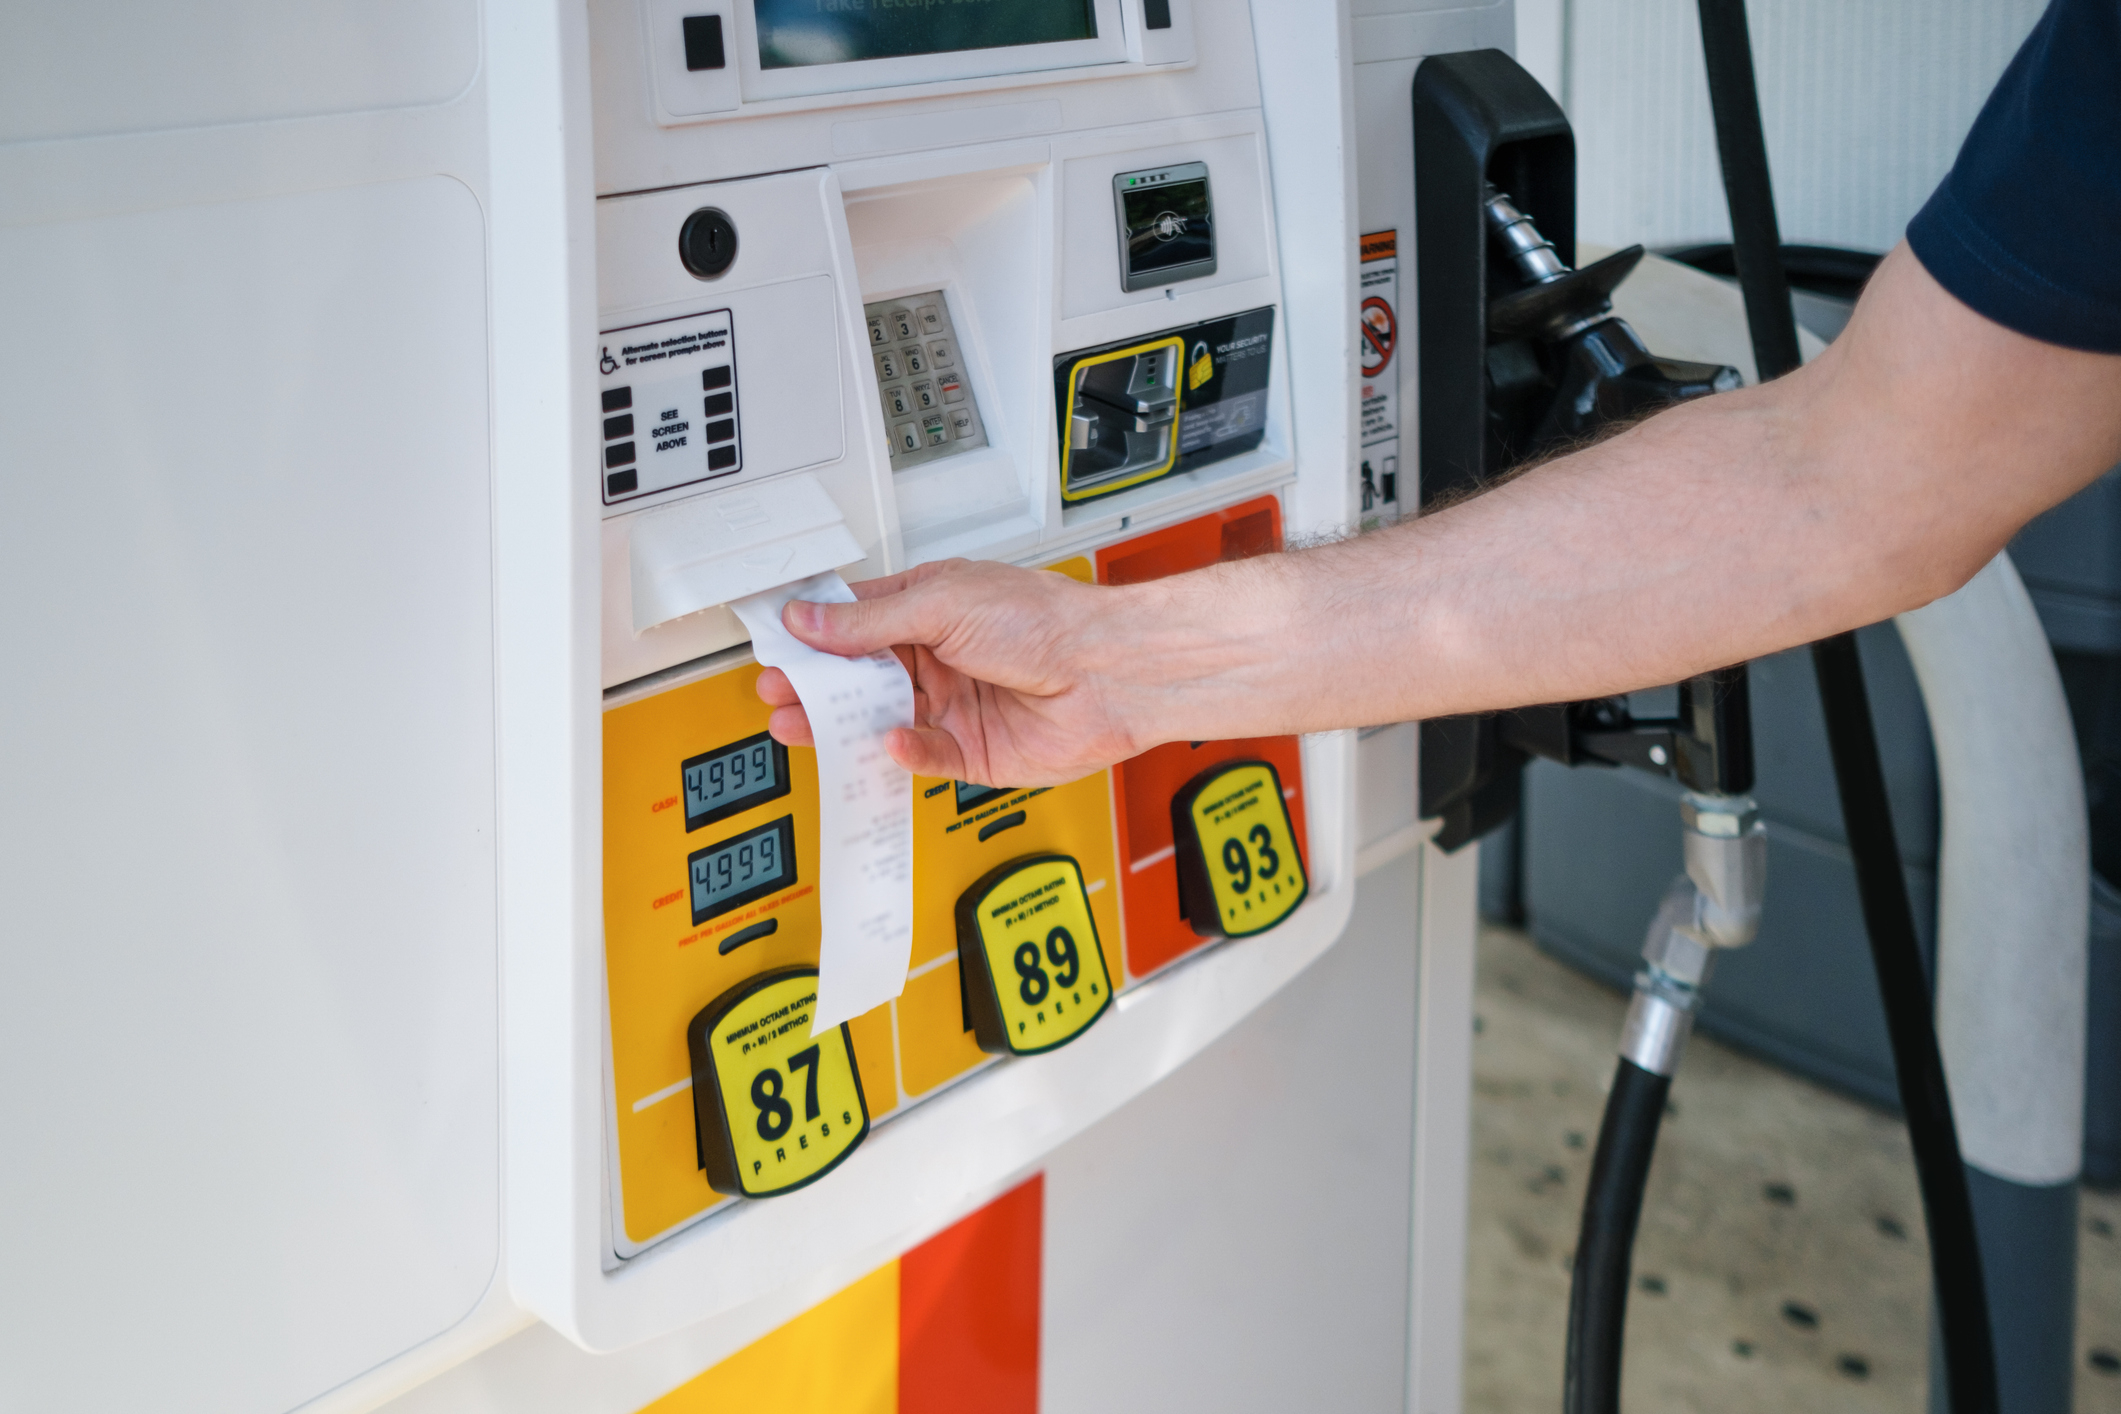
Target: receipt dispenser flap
<point x="709" y="549"/>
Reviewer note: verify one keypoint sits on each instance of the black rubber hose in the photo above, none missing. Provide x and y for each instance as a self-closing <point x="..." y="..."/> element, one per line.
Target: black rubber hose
<point x="1896" y="954"/>
<point x="1903" y="983"/>
<point x="1605" y="1244"/>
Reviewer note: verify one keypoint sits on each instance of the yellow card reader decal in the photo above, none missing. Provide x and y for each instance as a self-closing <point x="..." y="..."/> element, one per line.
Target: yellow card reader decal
<point x="1239" y="871"/>
<point x="1029" y="957"/>
<point x="775" y="1107"/>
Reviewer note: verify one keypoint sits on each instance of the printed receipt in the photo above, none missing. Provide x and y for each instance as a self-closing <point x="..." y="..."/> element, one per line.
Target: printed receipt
<point x="865" y="800"/>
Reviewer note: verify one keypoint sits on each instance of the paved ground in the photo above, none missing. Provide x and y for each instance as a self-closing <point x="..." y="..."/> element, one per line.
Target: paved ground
<point x="1781" y="1264"/>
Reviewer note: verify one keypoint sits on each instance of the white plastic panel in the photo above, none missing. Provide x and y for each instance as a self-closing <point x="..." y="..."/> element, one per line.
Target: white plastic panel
<point x="805" y="384"/>
<point x="248" y="1030"/>
<point x="1237" y="188"/>
<point x="79" y="69"/>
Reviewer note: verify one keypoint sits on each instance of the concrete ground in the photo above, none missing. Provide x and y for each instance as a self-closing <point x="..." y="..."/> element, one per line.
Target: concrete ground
<point x="1781" y="1263"/>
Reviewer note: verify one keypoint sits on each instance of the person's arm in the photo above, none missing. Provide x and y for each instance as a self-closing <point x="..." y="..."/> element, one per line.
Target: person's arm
<point x="1877" y="478"/>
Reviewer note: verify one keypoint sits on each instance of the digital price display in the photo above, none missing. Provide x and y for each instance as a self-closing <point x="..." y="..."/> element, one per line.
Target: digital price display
<point x="1239" y="871"/>
<point x="741" y="869"/>
<point x="774" y="1107"/>
<point x="1029" y="956"/>
<point x="969" y="795"/>
<point x="728" y="779"/>
<point x="798" y="33"/>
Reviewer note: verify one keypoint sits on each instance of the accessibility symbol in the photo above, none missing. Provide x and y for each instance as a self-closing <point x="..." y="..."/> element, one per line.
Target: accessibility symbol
<point x="607" y="364"/>
<point x="1380" y="333"/>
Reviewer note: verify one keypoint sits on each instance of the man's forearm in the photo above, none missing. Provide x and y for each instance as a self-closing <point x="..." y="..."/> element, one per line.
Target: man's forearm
<point x="1874" y="480"/>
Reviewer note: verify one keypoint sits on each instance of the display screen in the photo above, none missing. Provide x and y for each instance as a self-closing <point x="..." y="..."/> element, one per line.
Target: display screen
<point x="798" y="33"/>
<point x="969" y="795"/>
<point x="1168" y="225"/>
<point x="739" y="870"/>
<point x="735" y="777"/>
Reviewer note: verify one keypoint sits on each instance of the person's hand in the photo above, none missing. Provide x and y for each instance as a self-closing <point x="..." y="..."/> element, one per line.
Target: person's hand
<point x="1006" y="666"/>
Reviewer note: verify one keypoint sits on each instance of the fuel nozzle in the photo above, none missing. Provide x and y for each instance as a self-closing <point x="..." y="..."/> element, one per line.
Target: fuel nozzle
<point x="1560" y="362"/>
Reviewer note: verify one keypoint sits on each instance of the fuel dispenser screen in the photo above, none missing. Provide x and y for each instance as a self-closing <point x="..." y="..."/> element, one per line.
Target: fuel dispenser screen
<point x="733" y="778"/>
<point x="798" y="33"/>
<point x="741" y="870"/>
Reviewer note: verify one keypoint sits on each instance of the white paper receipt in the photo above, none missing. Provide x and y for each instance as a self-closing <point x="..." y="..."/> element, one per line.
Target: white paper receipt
<point x="865" y="801"/>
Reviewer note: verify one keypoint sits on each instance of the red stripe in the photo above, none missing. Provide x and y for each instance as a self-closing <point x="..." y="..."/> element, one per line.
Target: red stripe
<point x="968" y="1311"/>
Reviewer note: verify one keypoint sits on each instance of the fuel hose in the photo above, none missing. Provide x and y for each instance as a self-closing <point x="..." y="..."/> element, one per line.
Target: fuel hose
<point x="1896" y="954"/>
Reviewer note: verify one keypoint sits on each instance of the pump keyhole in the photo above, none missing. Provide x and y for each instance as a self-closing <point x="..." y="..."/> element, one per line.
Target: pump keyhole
<point x="707" y="243"/>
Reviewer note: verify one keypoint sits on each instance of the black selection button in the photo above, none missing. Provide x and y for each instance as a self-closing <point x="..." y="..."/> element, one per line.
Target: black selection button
<point x="722" y="431"/>
<point x="621" y="482"/>
<point x="1156" y="14"/>
<point x="618" y="455"/>
<point x="713" y="378"/>
<point x="617" y="398"/>
<point x="721" y="404"/>
<point x="703" y="42"/>
<point x="621" y="426"/>
<point x="721" y="458"/>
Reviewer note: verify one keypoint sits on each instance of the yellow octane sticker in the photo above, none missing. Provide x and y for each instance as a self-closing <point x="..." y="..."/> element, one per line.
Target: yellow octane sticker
<point x="1239" y="871"/>
<point x="1029" y="956"/>
<point x="776" y="1106"/>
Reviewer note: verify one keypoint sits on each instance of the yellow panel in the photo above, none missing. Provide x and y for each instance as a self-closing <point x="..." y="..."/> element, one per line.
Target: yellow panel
<point x="934" y="1045"/>
<point x="839" y="1357"/>
<point x="1079" y="568"/>
<point x="1037" y="977"/>
<point x="873" y="1057"/>
<point x="660" y="967"/>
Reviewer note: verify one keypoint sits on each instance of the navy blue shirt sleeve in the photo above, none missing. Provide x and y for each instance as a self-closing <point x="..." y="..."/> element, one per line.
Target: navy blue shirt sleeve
<point x="2026" y="228"/>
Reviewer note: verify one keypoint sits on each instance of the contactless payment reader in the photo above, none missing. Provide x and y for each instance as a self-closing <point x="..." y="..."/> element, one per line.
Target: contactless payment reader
<point x="1239" y="870"/>
<point x="1028" y="952"/>
<point x="1166" y="225"/>
<point x="776" y="1106"/>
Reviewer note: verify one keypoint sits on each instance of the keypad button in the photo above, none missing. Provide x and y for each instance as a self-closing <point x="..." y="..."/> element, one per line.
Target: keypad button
<point x="916" y="361"/>
<point x="961" y="423"/>
<point x="939" y="353"/>
<point x="722" y="431"/>
<point x="876" y="331"/>
<point x="620" y="426"/>
<point x="901" y="322"/>
<point x="924" y="395"/>
<point x="720" y="404"/>
<point x="713" y="378"/>
<point x="909" y="437"/>
<point x="931" y="319"/>
<point x="887" y="365"/>
<point x="897" y="401"/>
<point x="616" y="398"/>
<point x="721" y="458"/>
<point x="937" y="429"/>
<point x="952" y="387"/>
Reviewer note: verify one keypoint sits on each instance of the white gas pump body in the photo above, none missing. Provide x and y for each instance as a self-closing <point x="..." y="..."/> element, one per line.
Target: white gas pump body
<point x="314" y="605"/>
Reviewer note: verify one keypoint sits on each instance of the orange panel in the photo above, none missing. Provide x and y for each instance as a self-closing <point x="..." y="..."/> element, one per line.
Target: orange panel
<point x="1156" y="934"/>
<point x="968" y="1311"/>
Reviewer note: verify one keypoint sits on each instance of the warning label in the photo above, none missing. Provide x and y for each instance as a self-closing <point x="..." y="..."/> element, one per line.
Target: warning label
<point x="1377" y="321"/>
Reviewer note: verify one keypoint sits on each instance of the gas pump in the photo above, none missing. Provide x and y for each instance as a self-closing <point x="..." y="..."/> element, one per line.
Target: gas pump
<point x="452" y="1047"/>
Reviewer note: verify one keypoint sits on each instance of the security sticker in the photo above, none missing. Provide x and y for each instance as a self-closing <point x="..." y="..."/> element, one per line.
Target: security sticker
<point x="1029" y="956"/>
<point x="1239" y="871"/>
<point x="775" y="1106"/>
